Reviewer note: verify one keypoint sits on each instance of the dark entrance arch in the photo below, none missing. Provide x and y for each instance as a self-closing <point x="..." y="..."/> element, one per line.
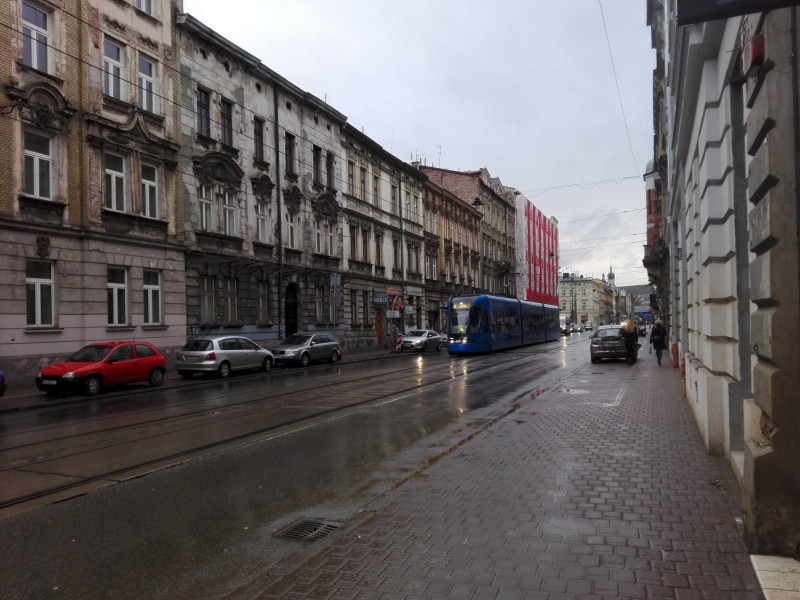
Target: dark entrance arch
<point x="291" y="309"/>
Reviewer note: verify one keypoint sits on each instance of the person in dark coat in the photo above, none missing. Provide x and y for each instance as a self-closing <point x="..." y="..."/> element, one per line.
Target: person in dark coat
<point x="630" y="336"/>
<point x="658" y="338"/>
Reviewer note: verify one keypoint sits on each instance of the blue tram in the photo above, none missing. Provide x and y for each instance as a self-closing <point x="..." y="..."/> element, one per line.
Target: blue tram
<point x="478" y="324"/>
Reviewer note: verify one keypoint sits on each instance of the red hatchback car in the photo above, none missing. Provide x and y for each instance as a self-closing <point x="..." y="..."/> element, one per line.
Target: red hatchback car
<point x="103" y="364"/>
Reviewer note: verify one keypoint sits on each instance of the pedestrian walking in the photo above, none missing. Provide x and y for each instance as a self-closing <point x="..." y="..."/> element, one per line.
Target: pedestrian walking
<point x="658" y="339"/>
<point x="630" y="336"/>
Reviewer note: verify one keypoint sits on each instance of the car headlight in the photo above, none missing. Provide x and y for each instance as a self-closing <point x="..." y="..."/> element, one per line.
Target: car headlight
<point x="291" y="352"/>
<point x="69" y="375"/>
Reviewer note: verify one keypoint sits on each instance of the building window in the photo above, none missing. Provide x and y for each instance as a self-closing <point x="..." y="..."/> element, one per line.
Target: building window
<point x="317" y="165"/>
<point x="363" y="184"/>
<point x="395" y="201"/>
<point x="351" y="178"/>
<point x="353" y="242"/>
<point x="329" y="165"/>
<point x="319" y="302"/>
<point x="203" y="112"/>
<point x="365" y="306"/>
<point x="113" y="58"/>
<point x="152" y="297"/>
<point x="226" y="123"/>
<point x="148" y="95"/>
<point x="435" y="268"/>
<point x="262" y="222"/>
<point x="35" y="38"/>
<point x="38" y="163"/>
<point x="146" y="6"/>
<point x="353" y="307"/>
<point x="115" y="182"/>
<point x="289" y="143"/>
<point x="365" y="245"/>
<point x="258" y="139"/>
<point x="228" y="214"/>
<point x="376" y="190"/>
<point x="263" y="301"/>
<point x="292" y="230"/>
<point x="117" y="296"/>
<point x="378" y="250"/>
<point x="207" y="300"/>
<point x="229" y="305"/>
<point x="40" y="299"/>
<point x="204" y="207"/>
<point x="396" y="255"/>
<point x="150" y="199"/>
<point x="427" y="267"/>
<point x="324" y="241"/>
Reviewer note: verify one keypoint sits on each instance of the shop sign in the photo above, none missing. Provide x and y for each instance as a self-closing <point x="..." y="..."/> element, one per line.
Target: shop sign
<point x="412" y="290"/>
<point x="380" y="299"/>
<point x="392" y="314"/>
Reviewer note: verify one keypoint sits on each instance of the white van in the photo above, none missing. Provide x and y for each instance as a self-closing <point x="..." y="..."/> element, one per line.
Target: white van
<point x="587" y="326"/>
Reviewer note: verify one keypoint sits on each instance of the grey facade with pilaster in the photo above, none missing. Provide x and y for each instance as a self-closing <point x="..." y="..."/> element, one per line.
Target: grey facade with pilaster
<point x="731" y="225"/>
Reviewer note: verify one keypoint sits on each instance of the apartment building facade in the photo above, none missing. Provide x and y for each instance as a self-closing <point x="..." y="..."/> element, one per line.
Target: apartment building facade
<point x="725" y="153"/>
<point x="90" y="206"/>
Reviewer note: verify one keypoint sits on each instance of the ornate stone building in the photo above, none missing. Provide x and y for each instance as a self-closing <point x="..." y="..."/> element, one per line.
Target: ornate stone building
<point x="262" y="178"/>
<point x="91" y="215"/>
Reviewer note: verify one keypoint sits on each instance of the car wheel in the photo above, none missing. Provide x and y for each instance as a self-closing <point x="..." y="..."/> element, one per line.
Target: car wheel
<point x="267" y="365"/>
<point x="595" y="360"/>
<point x="334" y="356"/>
<point x="305" y="359"/>
<point x="438" y="346"/>
<point x="93" y="385"/>
<point x="224" y="370"/>
<point x="156" y="377"/>
<point x="185" y="374"/>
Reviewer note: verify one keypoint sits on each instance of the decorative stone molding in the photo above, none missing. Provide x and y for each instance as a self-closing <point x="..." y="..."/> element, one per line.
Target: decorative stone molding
<point x="217" y="167"/>
<point x="42" y="105"/>
<point x="262" y="187"/>
<point x="293" y="198"/>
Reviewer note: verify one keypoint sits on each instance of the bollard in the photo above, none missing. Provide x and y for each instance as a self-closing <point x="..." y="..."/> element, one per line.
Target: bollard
<point x="399" y="343"/>
<point x="674" y="350"/>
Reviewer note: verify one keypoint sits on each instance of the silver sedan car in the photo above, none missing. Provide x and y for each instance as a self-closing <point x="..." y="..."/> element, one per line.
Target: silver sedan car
<point x="421" y="340"/>
<point x="221" y="354"/>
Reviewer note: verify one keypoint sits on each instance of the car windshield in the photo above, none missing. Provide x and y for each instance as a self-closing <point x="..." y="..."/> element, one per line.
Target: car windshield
<point x="197" y="345"/>
<point x="90" y="354"/>
<point x="296" y="339"/>
<point x="416" y="333"/>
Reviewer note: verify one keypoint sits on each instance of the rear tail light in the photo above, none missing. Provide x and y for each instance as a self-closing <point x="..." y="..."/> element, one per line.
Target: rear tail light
<point x="211" y="356"/>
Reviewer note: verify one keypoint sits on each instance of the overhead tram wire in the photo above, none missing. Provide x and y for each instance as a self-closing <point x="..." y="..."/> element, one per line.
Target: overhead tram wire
<point x="616" y="81"/>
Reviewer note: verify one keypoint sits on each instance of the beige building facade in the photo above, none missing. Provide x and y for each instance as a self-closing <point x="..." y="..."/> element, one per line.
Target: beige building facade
<point x="90" y="206"/>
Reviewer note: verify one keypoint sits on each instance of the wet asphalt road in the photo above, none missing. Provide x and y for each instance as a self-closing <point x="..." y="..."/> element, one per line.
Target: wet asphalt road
<point x="204" y="526"/>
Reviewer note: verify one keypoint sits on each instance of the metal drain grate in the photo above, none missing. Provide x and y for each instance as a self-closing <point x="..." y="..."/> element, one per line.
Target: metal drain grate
<point x="308" y="530"/>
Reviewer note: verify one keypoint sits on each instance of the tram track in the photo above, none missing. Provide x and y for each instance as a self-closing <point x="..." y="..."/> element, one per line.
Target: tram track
<point x="130" y="450"/>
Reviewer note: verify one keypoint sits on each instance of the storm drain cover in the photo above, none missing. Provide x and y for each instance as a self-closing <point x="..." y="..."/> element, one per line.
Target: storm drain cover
<point x="308" y="530"/>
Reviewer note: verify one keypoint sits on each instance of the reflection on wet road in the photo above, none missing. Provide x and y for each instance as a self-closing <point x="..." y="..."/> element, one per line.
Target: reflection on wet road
<point x="247" y="454"/>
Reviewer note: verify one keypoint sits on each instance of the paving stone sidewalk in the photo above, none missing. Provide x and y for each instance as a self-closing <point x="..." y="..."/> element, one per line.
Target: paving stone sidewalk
<point x="598" y="489"/>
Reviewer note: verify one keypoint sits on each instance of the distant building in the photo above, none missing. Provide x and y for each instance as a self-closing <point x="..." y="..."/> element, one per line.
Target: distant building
<point x="537" y="253"/>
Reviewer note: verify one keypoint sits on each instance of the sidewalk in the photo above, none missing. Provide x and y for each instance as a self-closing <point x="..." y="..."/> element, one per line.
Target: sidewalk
<point x="601" y="489"/>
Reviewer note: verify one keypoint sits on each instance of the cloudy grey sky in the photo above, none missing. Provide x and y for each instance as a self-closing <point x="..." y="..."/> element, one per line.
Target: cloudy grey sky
<point x="532" y="90"/>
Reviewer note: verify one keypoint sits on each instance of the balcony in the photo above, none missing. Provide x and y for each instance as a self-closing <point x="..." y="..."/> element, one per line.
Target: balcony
<point x="655" y="256"/>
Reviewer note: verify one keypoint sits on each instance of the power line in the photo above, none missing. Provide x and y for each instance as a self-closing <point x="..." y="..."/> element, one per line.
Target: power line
<point x="616" y="81"/>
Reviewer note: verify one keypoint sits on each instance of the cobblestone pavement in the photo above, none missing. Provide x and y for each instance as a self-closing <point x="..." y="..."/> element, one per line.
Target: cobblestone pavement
<point x="598" y="489"/>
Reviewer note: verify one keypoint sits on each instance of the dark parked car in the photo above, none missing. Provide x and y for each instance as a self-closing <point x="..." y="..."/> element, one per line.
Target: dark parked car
<point x="304" y="348"/>
<point x="103" y="364"/>
<point x="421" y="340"/>
<point x="221" y="354"/>
<point x="607" y="342"/>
